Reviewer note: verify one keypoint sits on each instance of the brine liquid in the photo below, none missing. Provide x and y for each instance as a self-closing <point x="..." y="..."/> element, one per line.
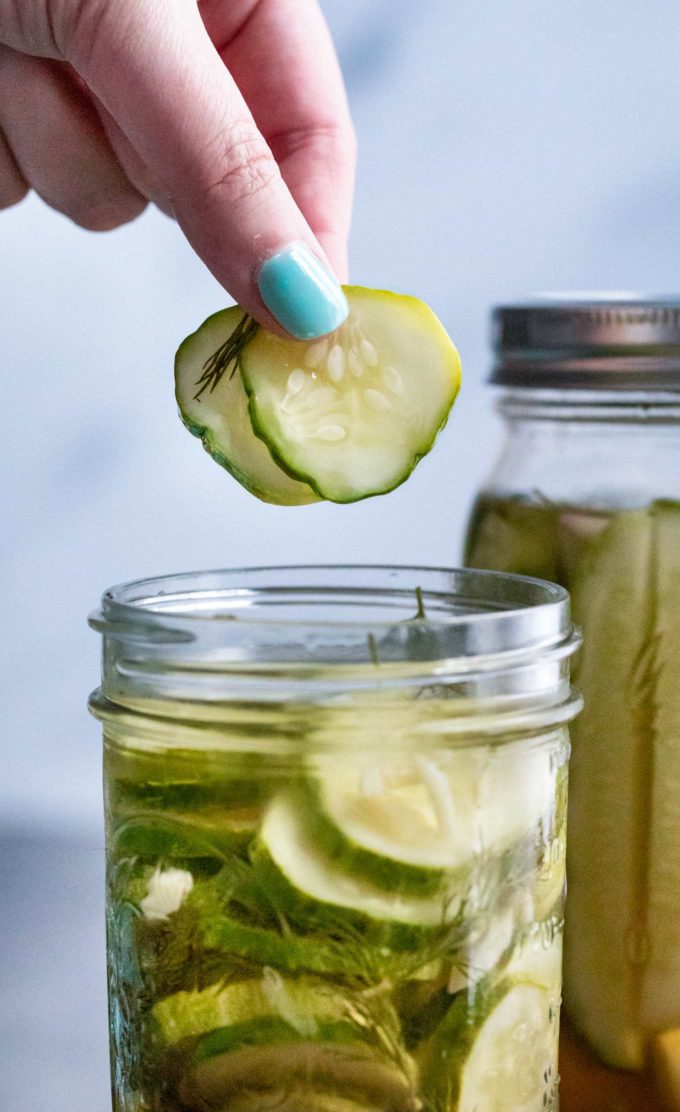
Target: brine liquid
<point x="622" y="939"/>
<point x="365" y="933"/>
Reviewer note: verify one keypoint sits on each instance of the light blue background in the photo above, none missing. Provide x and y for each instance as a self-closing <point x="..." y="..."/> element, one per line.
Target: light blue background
<point x="506" y="146"/>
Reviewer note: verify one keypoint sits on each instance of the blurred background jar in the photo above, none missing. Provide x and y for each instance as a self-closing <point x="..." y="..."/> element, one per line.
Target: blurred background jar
<point x="586" y="492"/>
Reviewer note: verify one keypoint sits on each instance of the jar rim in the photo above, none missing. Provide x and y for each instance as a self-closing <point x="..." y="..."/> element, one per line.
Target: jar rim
<point x="177" y="643"/>
<point x="516" y="612"/>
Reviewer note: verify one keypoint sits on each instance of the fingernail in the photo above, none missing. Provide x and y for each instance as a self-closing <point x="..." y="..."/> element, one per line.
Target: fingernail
<point x="301" y="293"/>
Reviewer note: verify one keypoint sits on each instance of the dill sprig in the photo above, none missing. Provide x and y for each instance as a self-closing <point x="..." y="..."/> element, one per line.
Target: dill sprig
<point x="227" y="356"/>
<point x="420" y="615"/>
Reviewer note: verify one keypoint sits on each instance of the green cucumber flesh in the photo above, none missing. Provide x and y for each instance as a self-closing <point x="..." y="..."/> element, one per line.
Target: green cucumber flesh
<point x="220" y="417"/>
<point x="512" y="1053"/>
<point x="352" y="414"/>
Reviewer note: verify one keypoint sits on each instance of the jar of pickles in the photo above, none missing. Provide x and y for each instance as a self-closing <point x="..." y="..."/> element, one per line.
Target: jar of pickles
<point x="586" y="492"/>
<point x="335" y="814"/>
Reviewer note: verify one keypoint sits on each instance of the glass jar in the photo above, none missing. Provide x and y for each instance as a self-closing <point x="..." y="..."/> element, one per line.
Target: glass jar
<point x="335" y="815"/>
<point x="586" y="492"/>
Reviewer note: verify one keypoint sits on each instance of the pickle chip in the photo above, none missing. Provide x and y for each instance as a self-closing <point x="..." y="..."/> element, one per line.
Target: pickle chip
<point x="341" y="418"/>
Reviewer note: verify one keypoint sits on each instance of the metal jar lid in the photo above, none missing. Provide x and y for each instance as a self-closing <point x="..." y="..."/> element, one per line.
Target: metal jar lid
<point x="626" y="343"/>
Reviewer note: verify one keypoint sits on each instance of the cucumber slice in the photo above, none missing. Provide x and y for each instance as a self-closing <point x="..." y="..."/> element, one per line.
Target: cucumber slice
<point x="303" y="1100"/>
<point x="300" y="1005"/>
<point x="512" y="535"/>
<point x="613" y="743"/>
<point x="292" y="1030"/>
<point x="551" y="881"/>
<point x="392" y="824"/>
<point x="298" y="1076"/>
<point x="203" y="834"/>
<point x="660" y="1006"/>
<point x="220" y="417"/>
<point x="419" y="826"/>
<point x="351" y="415"/>
<point x="496" y="1054"/>
<point x="306" y="885"/>
<point x="272" y="1031"/>
<point x="234" y="930"/>
<point x="485" y="950"/>
<point x="538" y="958"/>
<point x="186" y="780"/>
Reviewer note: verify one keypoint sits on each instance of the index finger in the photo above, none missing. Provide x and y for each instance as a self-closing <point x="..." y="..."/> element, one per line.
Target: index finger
<point x="155" y="70"/>
<point x="282" y="57"/>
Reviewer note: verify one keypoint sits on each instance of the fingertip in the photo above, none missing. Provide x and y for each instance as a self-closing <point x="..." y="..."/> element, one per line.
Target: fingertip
<point x="301" y="293"/>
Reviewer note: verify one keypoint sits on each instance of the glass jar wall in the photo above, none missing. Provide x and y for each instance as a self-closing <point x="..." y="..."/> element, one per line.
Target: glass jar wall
<point x="586" y="492"/>
<point x="335" y="809"/>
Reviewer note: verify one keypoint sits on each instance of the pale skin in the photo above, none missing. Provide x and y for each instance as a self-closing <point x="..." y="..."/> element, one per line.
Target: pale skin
<point x="230" y="115"/>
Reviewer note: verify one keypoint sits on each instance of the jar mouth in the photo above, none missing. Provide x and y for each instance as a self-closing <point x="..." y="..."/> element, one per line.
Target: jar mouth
<point x="340" y="613"/>
<point x="303" y="634"/>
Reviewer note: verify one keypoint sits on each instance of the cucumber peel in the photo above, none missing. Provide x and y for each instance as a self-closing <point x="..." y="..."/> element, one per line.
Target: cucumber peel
<point x="306" y="886"/>
<point x="342" y="418"/>
<point x="221" y="420"/>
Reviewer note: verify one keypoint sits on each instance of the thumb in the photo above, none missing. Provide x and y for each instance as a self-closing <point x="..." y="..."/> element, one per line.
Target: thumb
<point x="155" y="70"/>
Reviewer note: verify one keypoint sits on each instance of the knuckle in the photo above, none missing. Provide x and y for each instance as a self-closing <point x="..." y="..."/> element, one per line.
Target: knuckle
<point x="332" y="143"/>
<point x="77" y="27"/>
<point x="245" y="168"/>
<point x="28" y="26"/>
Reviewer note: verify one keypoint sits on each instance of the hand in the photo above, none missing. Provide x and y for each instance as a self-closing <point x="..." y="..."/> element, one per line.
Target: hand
<point x="230" y="114"/>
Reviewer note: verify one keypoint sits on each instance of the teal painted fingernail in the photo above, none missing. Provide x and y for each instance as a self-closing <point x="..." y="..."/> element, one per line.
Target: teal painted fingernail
<point x="301" y="293"/>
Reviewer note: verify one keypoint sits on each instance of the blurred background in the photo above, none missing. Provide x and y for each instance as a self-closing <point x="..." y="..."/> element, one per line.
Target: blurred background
<point x="505" y="149"/>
